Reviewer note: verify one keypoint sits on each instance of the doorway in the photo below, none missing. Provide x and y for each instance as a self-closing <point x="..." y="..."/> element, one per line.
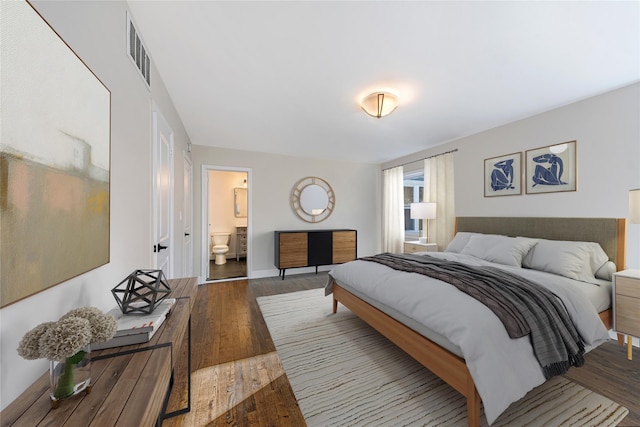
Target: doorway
<point x="226" y="221"/>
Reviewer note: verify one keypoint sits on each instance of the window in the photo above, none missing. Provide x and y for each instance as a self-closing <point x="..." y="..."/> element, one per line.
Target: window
<point x="413" y="193"/>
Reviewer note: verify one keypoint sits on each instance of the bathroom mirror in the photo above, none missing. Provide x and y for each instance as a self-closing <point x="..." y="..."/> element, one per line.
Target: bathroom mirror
<point x="240" y="202"/>
<point x="313" y="199"/>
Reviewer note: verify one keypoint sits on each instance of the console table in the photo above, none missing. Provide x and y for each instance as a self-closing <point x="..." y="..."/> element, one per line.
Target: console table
<point x="311" y="248"/>
<point x="131" y="385"/>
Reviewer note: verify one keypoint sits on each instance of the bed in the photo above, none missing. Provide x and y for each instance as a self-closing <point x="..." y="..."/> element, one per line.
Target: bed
<point x="444" y="354"/>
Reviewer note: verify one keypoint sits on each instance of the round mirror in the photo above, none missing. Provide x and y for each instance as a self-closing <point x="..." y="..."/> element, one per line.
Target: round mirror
<point x="313" y="199"/>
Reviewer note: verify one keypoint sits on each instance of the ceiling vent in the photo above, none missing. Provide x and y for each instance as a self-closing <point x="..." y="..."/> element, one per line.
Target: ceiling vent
<point x="137" y="52"/>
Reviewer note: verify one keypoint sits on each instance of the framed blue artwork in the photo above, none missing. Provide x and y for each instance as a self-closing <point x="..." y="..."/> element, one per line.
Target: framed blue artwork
<point x="503" y="175"/>
<point x="552" y="168"/>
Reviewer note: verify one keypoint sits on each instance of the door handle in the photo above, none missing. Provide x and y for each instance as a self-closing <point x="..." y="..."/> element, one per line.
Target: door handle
<point x="187" y="234"/>
<point x="159" y="247"/>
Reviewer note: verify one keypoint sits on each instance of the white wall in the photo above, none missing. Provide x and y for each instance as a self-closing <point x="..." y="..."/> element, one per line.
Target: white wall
<point x="272" y="177"/>
<point x="607" y="128"/>
<point x="96" y="32"/>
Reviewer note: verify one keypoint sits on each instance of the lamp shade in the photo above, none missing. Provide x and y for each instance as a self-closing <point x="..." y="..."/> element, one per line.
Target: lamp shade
<point x="634" y="206"/>
<point x="379" y="104"/>
<point x="423" y="211"/>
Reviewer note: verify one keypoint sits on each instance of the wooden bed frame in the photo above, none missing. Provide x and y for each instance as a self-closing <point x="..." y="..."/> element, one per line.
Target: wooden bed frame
<point x="609" y="232"/>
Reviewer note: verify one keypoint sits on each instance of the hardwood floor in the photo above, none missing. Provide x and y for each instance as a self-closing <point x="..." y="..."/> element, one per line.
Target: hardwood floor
<point x="230" y="269"/>
<point x="608" y="372"/>
<point x="237" y="378"/>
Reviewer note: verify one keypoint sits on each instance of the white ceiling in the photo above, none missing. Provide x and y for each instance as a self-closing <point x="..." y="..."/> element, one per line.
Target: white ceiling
<point x="286" y="77"/>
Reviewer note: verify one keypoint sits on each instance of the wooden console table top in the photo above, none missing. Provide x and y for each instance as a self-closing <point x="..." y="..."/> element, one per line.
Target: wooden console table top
<point x="129" y="387"/>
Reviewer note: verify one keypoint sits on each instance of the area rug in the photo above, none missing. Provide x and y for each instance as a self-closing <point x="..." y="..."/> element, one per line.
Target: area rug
<point x="344" y="373"/>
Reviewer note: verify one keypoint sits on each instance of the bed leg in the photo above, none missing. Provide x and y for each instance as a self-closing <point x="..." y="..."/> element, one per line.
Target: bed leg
<point x="620" y="339"/>
<point x="473" y="409"/>
<point x="335" y="305"/>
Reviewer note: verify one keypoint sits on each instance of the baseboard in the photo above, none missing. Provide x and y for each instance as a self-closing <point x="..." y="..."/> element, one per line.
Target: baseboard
<point x="634" y="341"/>
<point x="259" y="274"/>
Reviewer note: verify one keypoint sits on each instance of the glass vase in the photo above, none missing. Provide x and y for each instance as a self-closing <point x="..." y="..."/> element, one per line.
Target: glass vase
<point x="70" y="376"/>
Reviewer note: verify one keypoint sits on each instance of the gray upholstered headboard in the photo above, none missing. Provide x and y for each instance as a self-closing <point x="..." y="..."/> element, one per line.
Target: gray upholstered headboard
<point x="610" y="233"/>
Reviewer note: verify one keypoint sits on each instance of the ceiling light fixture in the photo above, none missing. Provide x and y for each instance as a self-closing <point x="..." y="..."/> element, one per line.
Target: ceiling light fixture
<point x="379" y="104"/>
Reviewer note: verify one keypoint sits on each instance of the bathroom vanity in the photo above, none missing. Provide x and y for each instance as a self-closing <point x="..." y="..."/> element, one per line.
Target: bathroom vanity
<point x="312" y="248"/>
<point x="241" y="242"/>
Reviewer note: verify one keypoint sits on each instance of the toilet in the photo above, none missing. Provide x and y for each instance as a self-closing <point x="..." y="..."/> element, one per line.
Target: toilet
<point x="220" y="246"/>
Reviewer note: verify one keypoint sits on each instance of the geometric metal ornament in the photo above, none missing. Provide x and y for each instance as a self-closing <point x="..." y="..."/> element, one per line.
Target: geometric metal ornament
<point x="141" y="291"/>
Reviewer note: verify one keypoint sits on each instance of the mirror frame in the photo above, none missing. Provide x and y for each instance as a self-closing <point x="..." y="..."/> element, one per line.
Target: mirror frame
<point x="297" y="193"/>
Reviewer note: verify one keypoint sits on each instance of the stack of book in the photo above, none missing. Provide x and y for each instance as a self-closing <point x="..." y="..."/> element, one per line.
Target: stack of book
<point x="136" y="328"/>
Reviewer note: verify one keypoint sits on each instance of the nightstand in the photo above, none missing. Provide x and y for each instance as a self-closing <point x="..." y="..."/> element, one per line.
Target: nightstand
<point x="416" y="246"/>
<point x="626" y="305"/>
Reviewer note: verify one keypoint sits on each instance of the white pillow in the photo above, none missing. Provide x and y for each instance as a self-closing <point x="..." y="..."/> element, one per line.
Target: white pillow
<point x="575" y="260"/>
<point x="459" y="241"/>
<point x="500" y="249"/>
<point x="605" y="272"/>
<point x="598" y="256"/>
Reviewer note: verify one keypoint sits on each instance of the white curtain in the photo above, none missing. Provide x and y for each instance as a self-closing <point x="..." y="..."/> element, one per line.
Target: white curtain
<point x="439" y="188"/>
<point x="393" y="211"/>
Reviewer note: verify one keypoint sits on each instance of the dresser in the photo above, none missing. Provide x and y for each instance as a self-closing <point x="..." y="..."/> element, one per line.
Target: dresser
<point x="312" y="248"/>
<point x="241" y="242"/>
<point x="626" y="305"/>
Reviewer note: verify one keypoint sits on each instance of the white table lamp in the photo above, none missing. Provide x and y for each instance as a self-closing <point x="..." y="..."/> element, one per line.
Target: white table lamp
<point x="424" y="211"/>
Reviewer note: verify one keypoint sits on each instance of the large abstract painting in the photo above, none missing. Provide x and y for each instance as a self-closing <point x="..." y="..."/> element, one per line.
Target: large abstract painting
<point x="502" y="175"/>
<point x="54" y="158"/>
<point x="552" y="168"/>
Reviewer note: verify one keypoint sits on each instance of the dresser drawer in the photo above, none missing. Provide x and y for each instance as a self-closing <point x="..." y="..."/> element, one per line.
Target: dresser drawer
<point x="410" y="247"/>
<point x="344" y="246"/>
<point x="627" y="286"/>
<point x="293" y="250"/>
<point x="627" y="315"/>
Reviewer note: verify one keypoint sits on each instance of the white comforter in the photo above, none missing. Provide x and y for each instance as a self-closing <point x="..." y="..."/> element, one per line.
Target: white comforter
<point x="503" y="369"/>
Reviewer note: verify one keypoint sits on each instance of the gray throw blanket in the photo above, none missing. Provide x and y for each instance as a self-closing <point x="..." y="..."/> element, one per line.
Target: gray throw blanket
<point x="523" y="307"/>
